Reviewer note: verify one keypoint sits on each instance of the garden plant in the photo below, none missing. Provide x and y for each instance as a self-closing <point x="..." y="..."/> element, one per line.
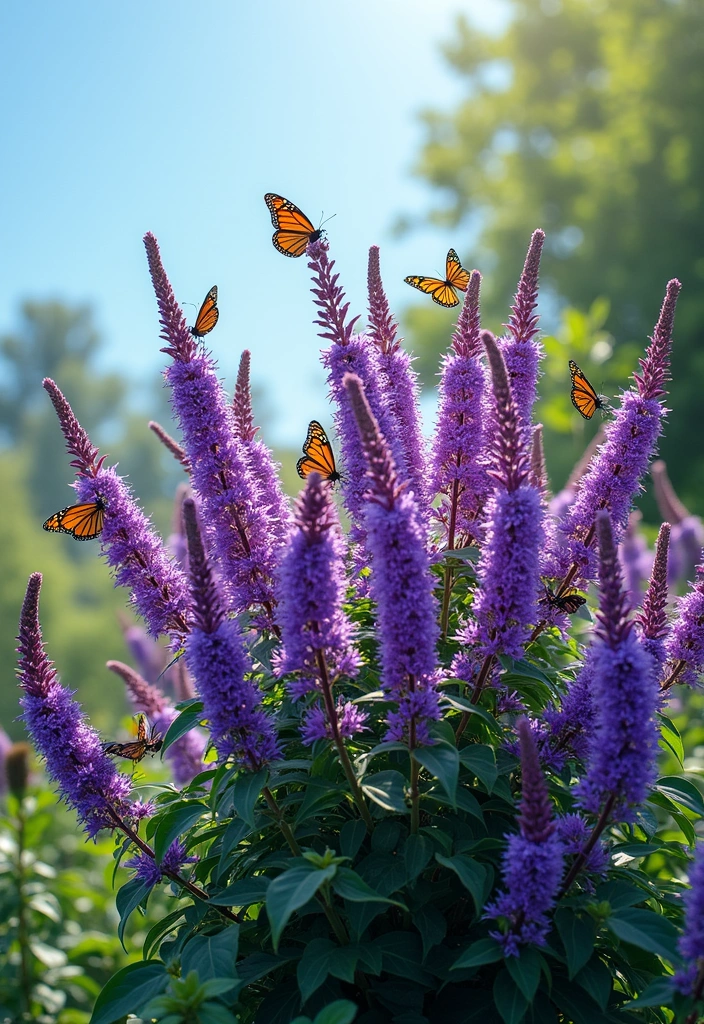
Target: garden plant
<point x="413" y="752"/>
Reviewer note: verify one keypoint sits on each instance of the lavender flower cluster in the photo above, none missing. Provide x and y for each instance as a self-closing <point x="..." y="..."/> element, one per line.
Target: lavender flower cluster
<point x="353" y="622"/>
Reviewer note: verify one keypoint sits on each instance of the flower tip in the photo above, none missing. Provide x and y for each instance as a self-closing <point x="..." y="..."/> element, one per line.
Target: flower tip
<point x="30" y="604"/>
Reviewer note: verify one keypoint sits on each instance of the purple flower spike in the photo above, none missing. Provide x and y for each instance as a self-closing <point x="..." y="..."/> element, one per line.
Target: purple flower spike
<point x="329" y="296"/>
<point x="653" y="625"/>
<point x="685" y="644"/>
<point x="613" y="478"/>
<point x="180" y="343"/>
<point x="687" y="539"/>
<point x="149" y="655"/>
<point x="78" y="443"/>
<point x="538" y="467"/>
<point x="399" y="384"/>
<point x="170" y="444"/>
<point x="259" y="458"/>
<point x="691" y="944"/>
<point x="235" y="512"/>
<point x="636" y="559"/>
<point x="623" y="746"/>
<point x="185" y="756"/>
<point x="458" y="472"/>
<point x="350" y="720"/>
<point x="159" y="591"/>
<point x="520" y="351"/>
<point x="130" y="546"/>
<point x="86" y="777"/>
<point x="215" y="654"/>
<point x="533" y="862"/>
<point x="311" y="591"/>
<point x="402" y="585"/>
<point x="151" y="873"/>
<point x="509" y="567"/>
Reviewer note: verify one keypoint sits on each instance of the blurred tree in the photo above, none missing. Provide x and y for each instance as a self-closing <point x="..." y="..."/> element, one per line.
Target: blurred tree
<point x="584" y="118"/>
<point x="55" y="341"/>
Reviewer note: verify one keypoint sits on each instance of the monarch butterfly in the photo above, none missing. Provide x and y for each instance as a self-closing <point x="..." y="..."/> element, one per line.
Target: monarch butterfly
<point x="293" y="229"/>
<point x="443" y="292"/>
<point x="317" y="455"/>
<point x="569" y="603"/>
<point x="83" y="522"/>
<point x="584" y="398"/>
<point x="136" y="749"/>
<point x="207" y="314"/>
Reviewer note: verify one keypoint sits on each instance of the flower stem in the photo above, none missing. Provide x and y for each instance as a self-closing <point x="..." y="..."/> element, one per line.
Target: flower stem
<point x="195" y="890"/>
<point x="476" y="693"/>
<point x="581" y="858"/>
<point x="415" y="771"/>
<point x="281" y="822"/>
<point x="331" y="710"/>
<point x="25" y="979"/>
<point x="449" y="573"/>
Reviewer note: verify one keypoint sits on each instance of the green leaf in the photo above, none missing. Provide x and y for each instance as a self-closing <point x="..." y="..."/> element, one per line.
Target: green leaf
<point x="128" y="899"/>
<point x="431" y="925"/>
<point x="342" y="1011"/>
<point x="352" y="836"/>
<point x="577" y="933"/>
<point x="174" y="823"/>
<point x="342" y="961"/>
<point x="291" y="890"/>
<point x="483" y="951"/>
<point x="348" y="884"/>
<point x="258" y="965"/>
<point x="242" y="893"/>
<point x="595" y="978"/>
<point x="402" y="955"/>
<point x="129" y="990"/>
<point x="186" y="721"/>
<point x="658" y="993"/>
<point x="462" y="704"/>
<point x="443" y="762"/>
<point x="312" y="969"/>
<point x="481" y="760"/>
<point x="212" y="956"/>
<point x="417" y="851"/>
<point x="387" y="789"/>
<point x="470" y="873"/>
<point x="682" y="792"/>
<point x="646" y="930"/>
<point x="671" y="738"/>
<point x="509" y="1000"/>
<point x="246" y="792"/>
<point x="213" y="1013"/>
<point x="525" y="970"/>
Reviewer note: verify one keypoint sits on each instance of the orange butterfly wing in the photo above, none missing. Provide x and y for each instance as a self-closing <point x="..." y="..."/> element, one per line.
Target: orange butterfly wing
<point x="83" y="522"/>
<point x="584" y="398"/>
<point x="318" y="455"/>
<point x="457" y="276"/>
<point x="293" y="229"/>
<point x="440" y="291"/>
<point x="207" y="315"/>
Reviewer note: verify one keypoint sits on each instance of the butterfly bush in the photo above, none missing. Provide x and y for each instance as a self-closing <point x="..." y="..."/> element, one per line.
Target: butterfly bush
<point x="400" y="780"/>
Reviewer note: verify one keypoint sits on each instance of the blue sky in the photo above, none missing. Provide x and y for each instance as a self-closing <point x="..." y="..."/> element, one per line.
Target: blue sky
<point x="177" y="117"/>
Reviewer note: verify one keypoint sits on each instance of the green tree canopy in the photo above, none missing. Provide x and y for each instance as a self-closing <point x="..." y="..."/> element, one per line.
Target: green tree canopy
<point x="584" y="118"/>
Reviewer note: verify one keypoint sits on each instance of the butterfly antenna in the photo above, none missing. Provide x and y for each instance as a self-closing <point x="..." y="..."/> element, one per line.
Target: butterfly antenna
<point x="322" y="222"/>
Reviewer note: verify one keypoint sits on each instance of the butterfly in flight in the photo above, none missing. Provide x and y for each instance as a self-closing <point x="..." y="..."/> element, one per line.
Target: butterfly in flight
<point x="293" y="229"/>
<point x="569" y="603"/>
<point x="443" y="292"/>
<point x="135" y="750"/>
<point x="317" y="455"/>
<point x="584" y="398"/>
<point x="83" y="522"/>
<point x="207" y="314"/>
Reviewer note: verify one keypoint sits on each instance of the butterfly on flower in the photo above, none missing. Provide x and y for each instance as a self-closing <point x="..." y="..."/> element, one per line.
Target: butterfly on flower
<point x="584" y="398"/>
<point x="207" y="314"/>
<point x="293" y="229"/>
<point x="317" y="455"/>
<point x="444" y="292"/>
<point x="83" y="522"/>
<point x="135" y="750"/>
<point x="569" y="603"/>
